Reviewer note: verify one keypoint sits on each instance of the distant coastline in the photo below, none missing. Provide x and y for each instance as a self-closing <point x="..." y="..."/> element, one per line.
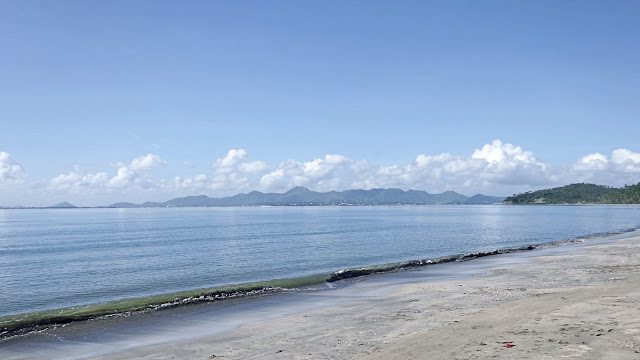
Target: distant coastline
<point x="301" y="196"/>
<point x="573" y="194"/>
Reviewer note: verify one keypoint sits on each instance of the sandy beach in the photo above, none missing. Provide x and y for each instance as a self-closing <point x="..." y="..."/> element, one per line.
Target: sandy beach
<point x="580" y="301"/>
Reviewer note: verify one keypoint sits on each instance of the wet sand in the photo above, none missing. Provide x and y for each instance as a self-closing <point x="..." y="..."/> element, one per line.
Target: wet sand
<point x="575" y="301"/>
<point x="579" y="302"/>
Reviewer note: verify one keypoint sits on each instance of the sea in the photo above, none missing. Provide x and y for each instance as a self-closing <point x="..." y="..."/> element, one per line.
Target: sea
<point x="66" y="265"/>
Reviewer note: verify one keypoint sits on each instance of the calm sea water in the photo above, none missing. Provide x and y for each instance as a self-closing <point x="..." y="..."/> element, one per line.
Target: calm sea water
<point x="71" y="257"/>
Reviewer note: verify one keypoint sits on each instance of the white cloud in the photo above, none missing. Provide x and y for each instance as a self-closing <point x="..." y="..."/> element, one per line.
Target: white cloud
<point x="95" y="179"/>
<point x="592" y="162"/>
<point x="439" y="165"/>
<point x="320" y="173"/>
<point x="124" y="177"/>
<point x="496" y="168"/>
<point x="128" y="179"/>
<point x="133" y="173"/>
<point x="75" y="180"/>
<point x="511" y="165"/>
<point x="230" y="183"/>
<point x="273" y="178"/>
<point x="622" y="161"/>
<point x="191" y="183"/>
<point x="146" y="162"/>
<point x="336" y="160"/>
<point x="625" y="161"/>
<point x="493" y="168"/>
<point x="227" y="166"/>
<point x="227" y="177"/>
<point x="9" y="169"/>
<point x="497" y="152"/>
<point x="622" y="167"/>
<point x="232" y="157"/>
<point x="253" y="167"/>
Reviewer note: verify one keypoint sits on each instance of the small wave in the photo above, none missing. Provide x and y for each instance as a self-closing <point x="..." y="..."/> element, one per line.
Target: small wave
<point x="352" y="273"/>
<point x="380" y="269"/>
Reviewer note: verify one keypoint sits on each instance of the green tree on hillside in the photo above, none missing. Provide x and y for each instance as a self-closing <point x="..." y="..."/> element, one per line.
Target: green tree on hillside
<point x="579" y="194"/>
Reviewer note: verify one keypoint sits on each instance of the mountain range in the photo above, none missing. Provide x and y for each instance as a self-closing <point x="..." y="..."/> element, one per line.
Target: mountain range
<point x="301" y="196"/>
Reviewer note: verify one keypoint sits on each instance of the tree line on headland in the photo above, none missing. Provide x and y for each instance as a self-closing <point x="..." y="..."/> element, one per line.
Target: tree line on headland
<point x="579" y="194"/>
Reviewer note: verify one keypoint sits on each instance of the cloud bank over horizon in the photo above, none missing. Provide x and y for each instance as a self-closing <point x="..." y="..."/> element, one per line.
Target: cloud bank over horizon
<point x="497" y="168"/>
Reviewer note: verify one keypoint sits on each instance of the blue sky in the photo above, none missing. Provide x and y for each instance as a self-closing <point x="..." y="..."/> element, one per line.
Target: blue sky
<point x="147" y="100"/>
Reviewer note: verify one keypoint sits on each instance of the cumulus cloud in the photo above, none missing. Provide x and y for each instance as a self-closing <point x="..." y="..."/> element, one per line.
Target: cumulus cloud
<point x="124" y="177"/>
<point x="503" y="168"/>
<point x="625" y="161"/>
<point x="492" y="168"/>
<point x="253" y="167"/>
<point x="9" y="169"/>
<point x="146" y="162"/>
<point x="190" y="183"/>
<point x="229" y="183"/>
<point x="76" y="180"/>
<point x="129" y="178"/>
<point x="622" y="161"/>
<point x="232" y="157"/>
<point x="497" y="152"/>
<point x="489" y="168"/>
<point x="511" y="165"/>
<point x="133" y="174"/>
<point x="319" y="173"/>
<point x="592" y="162"/>
<point x="620" y="168"/>
<point x="496" y="168"/>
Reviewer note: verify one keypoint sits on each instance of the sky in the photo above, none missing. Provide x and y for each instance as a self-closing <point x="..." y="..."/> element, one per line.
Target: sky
<point x="109" y="101"/>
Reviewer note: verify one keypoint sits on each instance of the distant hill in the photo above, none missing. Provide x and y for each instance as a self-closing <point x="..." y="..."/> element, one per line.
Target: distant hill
<point x="63" y="205"/>
<point x="301" y="196"/>
<point x="579" y="194"/>
<point x="124" y="205"/>
<point x="480" y="199"/>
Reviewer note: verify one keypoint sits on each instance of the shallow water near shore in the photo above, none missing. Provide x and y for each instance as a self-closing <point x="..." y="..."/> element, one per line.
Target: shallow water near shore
<point x="168" y="250"/>
<point x="87" y="339"/>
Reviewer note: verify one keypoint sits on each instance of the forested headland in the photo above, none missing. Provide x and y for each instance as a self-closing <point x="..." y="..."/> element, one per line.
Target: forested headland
<point x="579" y="194"/>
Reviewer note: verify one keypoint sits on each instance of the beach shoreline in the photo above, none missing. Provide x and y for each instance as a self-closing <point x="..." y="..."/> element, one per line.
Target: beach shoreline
<point x="578" y="300"/>
<point x="580" y="303"/>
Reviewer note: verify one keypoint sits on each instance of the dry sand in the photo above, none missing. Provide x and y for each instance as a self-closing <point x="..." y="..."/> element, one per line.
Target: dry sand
<point x="583" y="304"/>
